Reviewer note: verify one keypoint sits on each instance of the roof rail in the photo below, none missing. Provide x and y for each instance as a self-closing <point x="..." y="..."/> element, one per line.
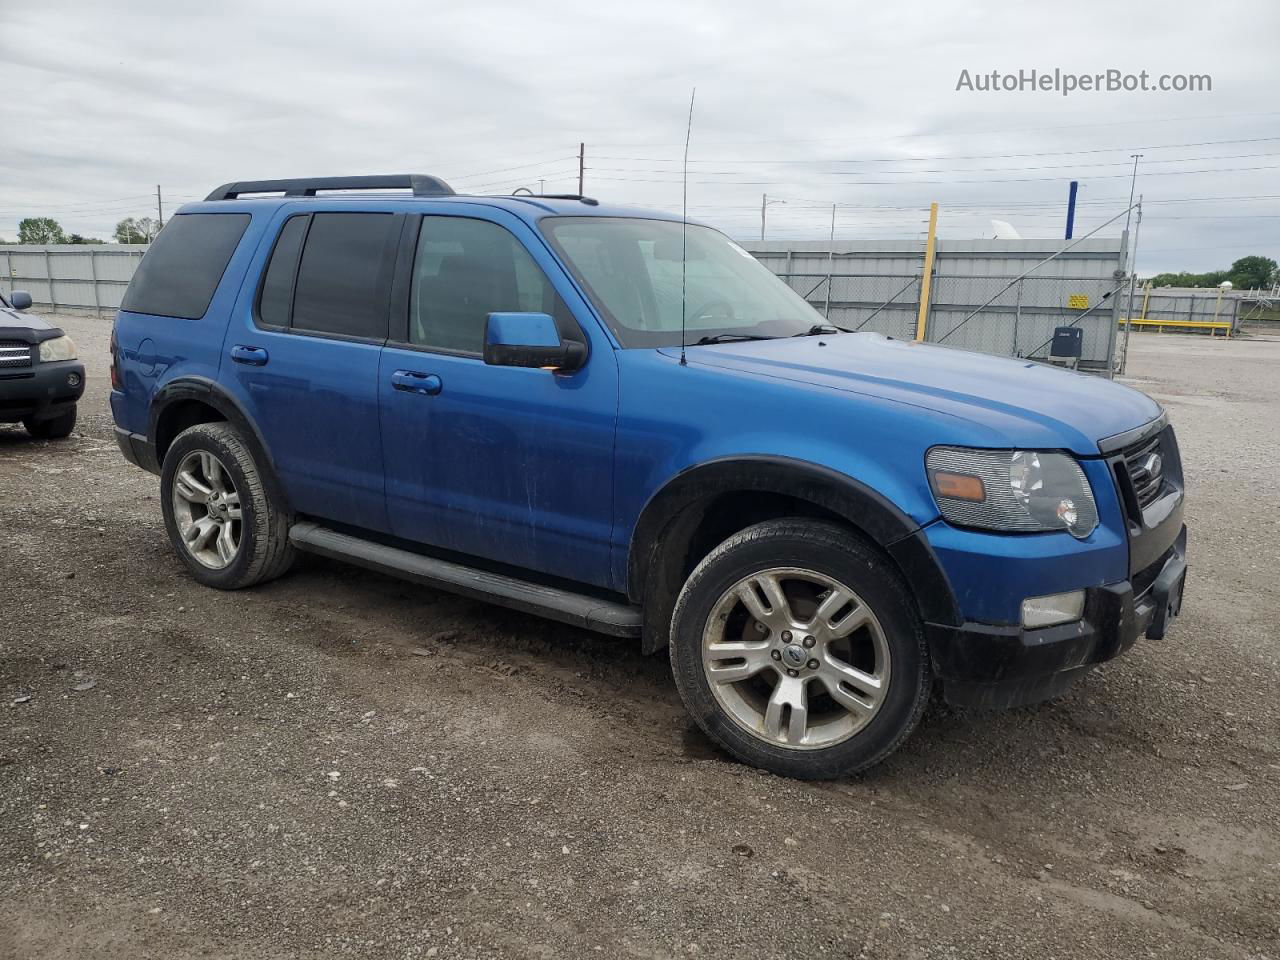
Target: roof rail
<point x="589" y="201"/>
<point x="421" y="184"/>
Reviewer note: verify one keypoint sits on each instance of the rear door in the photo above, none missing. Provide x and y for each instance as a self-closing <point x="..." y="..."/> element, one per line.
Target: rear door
<point x="508" y="463"/>
<point x="303" y="356"/>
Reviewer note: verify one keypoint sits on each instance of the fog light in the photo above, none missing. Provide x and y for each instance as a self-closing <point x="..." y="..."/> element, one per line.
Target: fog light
<point x="1053" y="609"/>
<point x="73" y="379"/>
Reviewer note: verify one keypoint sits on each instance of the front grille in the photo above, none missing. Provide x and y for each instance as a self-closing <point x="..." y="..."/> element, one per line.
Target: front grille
<point x="14" y="354"/>
<point x="1145" y="465"/>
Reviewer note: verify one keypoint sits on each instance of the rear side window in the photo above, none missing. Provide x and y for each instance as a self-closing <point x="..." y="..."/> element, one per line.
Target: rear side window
<point x="277" y="286"/>
<point x="182" y="269"/>
<point x="341" y="287"/>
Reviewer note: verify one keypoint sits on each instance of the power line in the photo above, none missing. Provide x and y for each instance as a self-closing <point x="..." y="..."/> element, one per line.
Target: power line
<point x="987" y="156"/>
<point x="907" y="183"/>
<point x="966" y="133"/>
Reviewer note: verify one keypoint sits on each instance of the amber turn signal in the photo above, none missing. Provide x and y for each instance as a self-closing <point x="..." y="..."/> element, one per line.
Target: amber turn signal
<point x="958" y="486"/>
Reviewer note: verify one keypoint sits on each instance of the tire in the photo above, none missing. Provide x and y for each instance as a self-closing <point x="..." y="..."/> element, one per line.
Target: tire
<point x="212" y="462"/>
<point x="792" y="709"/>
<point x="55" y="428"/>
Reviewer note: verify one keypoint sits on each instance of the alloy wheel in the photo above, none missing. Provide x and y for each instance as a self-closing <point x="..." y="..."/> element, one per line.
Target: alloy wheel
<point x="796" y="658"/>
<point x="206" y="507"/>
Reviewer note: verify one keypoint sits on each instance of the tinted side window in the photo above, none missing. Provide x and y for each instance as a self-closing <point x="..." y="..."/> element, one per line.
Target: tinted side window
<point x="465" y="270"/>
<point x="182" y="269"/>
<point x="277" y="285"/>
<point x="339" y="287"/>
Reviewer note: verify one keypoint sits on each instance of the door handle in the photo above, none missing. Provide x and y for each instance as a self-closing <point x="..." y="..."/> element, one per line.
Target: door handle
<point x="253" y="356"/>
<point x="411" y="381"/>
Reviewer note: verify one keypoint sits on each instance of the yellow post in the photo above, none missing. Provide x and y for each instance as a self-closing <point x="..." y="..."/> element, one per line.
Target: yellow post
<point x="928" y="271"/>
<point x="1146" y="295"/>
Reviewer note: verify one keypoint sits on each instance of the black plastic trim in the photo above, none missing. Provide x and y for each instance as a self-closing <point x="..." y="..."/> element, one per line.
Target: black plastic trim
<point x="869" y="511"/>
<point x="581" y="610"/>
<point x="1120" y="441"/>
<point x="216" y="396"/>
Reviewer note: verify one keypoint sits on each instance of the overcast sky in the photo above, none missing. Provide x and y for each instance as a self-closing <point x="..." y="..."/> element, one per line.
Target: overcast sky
<point x="812" y="103"/>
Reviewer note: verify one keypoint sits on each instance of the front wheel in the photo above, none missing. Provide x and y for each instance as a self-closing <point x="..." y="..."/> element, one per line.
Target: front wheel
<point x="796" y="648"/>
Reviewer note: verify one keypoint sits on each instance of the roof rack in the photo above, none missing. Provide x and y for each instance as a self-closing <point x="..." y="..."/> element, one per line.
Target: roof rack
<point x="422" y="185"/>
<point x="589" y="201"/>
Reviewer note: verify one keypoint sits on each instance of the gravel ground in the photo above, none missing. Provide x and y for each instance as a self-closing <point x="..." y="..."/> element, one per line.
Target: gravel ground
<point x="339" y="764"/>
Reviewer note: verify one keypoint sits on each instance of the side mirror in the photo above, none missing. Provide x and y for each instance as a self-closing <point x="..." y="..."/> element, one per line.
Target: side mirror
<point x="20" y="299"/>
<point x="529" y="340"/>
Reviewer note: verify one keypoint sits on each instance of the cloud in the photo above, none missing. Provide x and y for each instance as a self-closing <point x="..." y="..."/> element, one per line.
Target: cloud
<point x="813" y="103"/>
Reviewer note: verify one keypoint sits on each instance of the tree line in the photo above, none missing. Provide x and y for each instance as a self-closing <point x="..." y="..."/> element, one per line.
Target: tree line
<point x="48" y="230"/>
<point x="1245" y="274"/>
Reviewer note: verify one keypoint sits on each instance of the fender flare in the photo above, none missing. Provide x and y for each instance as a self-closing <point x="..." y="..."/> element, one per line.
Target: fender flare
<point x="871" y="513"/>
<point x="213" y="394"/>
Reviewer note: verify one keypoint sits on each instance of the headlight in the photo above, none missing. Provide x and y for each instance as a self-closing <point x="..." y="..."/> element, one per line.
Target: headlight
<point x="1017" y="491"/>
<point x="59" y="348"/>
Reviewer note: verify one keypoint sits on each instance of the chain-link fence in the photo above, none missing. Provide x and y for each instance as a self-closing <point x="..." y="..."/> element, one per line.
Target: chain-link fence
<point x="1019" y="322"/>
<point x="885" y="304"/>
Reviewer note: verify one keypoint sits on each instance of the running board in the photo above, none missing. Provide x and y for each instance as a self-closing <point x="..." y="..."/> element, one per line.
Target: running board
<point x="602" y="616"/>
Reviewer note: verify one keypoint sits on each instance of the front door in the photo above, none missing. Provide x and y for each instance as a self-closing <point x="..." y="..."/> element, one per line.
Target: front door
<point x="511" y="464"/>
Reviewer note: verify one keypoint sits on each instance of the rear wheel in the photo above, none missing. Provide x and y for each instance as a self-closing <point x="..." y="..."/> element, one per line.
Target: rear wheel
<point x="217" y="511"/>
<point x="796" y="647"/>
<point x="54" y="428"/>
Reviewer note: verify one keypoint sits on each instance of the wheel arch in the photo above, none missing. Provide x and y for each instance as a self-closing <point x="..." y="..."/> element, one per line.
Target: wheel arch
<point x="186" y="401"/>
<point x="715" y="499"/>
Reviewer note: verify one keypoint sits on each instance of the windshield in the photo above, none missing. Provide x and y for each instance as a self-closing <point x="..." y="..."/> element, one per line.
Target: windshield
<point x="630" y="267"/>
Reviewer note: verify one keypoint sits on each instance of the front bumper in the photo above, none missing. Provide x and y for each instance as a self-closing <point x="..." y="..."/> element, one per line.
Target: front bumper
<point x="41" y="391"/>
<point x="1006" y="666"/>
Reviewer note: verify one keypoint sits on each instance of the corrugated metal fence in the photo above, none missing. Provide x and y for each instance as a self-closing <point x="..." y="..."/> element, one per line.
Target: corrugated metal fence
<point x="864" y="286"/>
<point x="877" y="287"/>
<point x="71" y="278"/>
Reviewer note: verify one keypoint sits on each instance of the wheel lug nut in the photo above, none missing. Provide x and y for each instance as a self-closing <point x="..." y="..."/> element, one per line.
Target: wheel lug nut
<point x="786" y="636"/>
<point x="793" y="673"/>
<point x="776" y="655"/>
<point x="813" y="664"/>
<point x="809" y="641"/>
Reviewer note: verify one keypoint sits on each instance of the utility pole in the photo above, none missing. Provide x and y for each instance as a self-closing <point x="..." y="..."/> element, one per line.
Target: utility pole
<point x="582" y="168"/>
<point x="764" y="204"/>
<point x="1133" y="182"/>
<point x="1133" y="280"/>
<point x="159" y="210"/>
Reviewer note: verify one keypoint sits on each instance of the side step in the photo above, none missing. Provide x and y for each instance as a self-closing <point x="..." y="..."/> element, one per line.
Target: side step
<point x="603" y="616"/>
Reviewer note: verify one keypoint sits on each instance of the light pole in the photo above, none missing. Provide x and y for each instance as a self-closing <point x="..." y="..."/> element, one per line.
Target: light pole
<point x="764" y="205"/>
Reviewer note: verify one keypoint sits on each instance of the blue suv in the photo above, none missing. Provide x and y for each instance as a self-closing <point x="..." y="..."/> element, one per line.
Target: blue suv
<point x="623" y="421"/>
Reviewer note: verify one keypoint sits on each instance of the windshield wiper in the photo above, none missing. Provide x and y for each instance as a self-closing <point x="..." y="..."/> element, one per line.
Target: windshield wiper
<point x="730" y="337"/>
<point x="820" y="328"/>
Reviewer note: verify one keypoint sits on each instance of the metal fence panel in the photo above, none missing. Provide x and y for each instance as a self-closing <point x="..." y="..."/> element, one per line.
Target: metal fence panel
<point x="71" y="277"/>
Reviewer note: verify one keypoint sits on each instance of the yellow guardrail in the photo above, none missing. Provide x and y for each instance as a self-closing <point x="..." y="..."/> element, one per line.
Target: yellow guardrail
<point x="1213" y="326"/>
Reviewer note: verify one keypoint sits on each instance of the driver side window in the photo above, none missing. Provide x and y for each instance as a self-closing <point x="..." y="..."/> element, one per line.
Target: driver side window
<point x="466" y="269"/>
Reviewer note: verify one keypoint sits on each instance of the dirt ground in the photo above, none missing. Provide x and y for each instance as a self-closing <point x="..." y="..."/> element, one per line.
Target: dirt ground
<point x="340" y="764"/>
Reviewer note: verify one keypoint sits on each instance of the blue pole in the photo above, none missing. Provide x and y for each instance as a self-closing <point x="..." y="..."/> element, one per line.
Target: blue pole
<point x="1071" y="208"/>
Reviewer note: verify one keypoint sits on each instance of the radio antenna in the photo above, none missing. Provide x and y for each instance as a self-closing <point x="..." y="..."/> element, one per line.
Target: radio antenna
<point x="684" y="226"/>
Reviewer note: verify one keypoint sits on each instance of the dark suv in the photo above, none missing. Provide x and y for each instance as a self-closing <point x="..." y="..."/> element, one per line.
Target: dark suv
<point x="40" y="379"/>
<point x="623" y="421"/>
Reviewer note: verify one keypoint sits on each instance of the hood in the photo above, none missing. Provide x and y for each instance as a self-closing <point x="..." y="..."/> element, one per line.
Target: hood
<point x="1025" y="404"/>
<point x="25" y="326"/>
